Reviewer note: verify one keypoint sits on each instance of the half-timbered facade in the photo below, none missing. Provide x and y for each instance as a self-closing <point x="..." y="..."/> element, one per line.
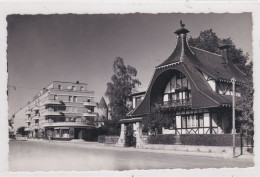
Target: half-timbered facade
<point x="196" y="85"/>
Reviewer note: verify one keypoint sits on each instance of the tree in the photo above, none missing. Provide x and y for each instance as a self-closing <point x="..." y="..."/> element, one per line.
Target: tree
<point x="119" y="89"/>
<point x="208" y="40"/>
<point x="161" y="116"/>
<point x="21" y="131"/>
<point x="10" y="127"/>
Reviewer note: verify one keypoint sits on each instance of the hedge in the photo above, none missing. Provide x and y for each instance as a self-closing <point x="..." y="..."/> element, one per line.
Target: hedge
<point x="196" y="139"/>
<point x="101" y="139"/>
<point x="108" y="139"/>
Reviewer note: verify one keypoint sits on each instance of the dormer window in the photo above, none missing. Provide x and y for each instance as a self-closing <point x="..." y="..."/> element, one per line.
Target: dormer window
<point x="225" y="88"/>
<point x="211" y="81"/>
<point x="73" y="88"/>
<point x="59" y="87"/>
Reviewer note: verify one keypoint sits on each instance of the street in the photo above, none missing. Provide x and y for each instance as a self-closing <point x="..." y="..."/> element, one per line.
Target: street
<point x="86" y="156"/>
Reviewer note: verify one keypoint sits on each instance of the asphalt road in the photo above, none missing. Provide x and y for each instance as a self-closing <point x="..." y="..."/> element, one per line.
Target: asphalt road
<point x="69" y="156"/>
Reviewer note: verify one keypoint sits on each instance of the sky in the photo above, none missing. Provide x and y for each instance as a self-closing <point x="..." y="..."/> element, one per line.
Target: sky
<point x="46" y="48"/>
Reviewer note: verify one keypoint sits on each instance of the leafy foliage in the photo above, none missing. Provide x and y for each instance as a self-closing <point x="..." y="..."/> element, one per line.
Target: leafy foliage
<point x="21" y="131"/>
<point x="160" y="117"/>
<point x="118" y="92"/>
<point x="119" y="89"/>
<point x="208" y="40"/>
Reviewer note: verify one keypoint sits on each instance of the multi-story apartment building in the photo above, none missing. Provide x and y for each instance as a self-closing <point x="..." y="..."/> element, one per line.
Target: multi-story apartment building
<point x="62" y="110"/>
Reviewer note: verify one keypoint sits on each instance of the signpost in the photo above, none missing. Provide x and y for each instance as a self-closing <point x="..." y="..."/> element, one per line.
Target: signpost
<point x="233" y="80"/>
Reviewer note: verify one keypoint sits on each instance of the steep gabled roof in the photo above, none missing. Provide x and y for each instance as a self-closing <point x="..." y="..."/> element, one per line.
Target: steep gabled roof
<point x="102" y="103"/>
<point x="191" y="61"/>
<point x="215" y="66"/>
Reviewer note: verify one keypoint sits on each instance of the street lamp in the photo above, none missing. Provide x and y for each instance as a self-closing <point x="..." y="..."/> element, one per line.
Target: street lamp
<point x="233" y="80"/>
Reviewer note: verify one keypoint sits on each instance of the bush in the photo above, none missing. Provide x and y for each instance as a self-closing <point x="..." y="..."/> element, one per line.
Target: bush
<point x="196" y="139"/>
<point x="108" y="139"/>
<point x="101" y="139"/>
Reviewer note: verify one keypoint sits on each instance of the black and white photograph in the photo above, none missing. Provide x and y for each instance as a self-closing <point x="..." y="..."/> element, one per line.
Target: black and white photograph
<point x="130" y="91"/>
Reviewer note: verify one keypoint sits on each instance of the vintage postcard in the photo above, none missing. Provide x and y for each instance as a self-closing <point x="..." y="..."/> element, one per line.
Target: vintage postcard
<point x="130" y="88"/>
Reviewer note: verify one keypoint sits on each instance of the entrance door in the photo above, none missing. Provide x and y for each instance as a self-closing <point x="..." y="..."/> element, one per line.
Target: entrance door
<point x="77" y="133"/>
<point x="130" y="139"/>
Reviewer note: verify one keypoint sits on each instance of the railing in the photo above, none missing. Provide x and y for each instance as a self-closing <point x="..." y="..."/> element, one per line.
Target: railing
<point x="28" y="112"/>
<point x="51" y="101"/>
<point x="89" y="114"/>
<point x="54" y="124"/>
<point x="51" y="113"/>
<point x="92" y="104"/>
<point x="178" y="103"/>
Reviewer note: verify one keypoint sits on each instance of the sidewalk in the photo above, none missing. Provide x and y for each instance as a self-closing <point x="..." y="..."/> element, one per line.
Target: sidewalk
<point x="96" y="145"/>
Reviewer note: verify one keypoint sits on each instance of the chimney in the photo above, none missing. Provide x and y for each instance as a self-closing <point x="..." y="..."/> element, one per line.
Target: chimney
<point x="224" y="48"/>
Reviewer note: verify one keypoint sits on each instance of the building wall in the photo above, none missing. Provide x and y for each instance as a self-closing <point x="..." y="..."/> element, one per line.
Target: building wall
<point x="66" y="105"/>
<point x="19" y="119"/>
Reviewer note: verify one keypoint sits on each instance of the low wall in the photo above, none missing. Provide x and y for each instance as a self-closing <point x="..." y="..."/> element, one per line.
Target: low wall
<point x="108" y="139"/>
<point x="197" y="139"/>
<point x="220" y="150"/>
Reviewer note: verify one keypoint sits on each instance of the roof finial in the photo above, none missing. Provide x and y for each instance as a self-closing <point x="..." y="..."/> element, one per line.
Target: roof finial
<point x="182" y="25"/>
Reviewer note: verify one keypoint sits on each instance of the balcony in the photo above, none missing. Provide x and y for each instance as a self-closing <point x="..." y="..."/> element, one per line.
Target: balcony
<point x="178" y="103"/>
<point x="27" y="120"/>
<point x="35" y="127"/>
<point x="91" y="104"/>
<point x="36" y="108"/>
<point x="67" y="124"/>
<point x="36" y="117"/>
<point x="28" y="112"/>
<point x="89" y="114"/>
<point x="51" y="113"/>
<point x="27" y="129"/>
<point x="52" y="102"/>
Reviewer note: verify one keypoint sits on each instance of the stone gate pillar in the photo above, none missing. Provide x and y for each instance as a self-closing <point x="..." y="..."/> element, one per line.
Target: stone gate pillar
<point x="138" y="134"/>
<point x="121" y="140"/>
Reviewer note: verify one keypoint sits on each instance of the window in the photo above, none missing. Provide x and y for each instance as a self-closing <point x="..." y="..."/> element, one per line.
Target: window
<point x="55" y="108"/>
<point x="183" y="122"/>
<point x="59" y="87"/>
<point x="55" y="97"/>
<point x="81" y="88"/>
<point x="138" y="100"/>
<point x="73" y="88"/>
<point x="65" y="133"/>
<point x="36" y="123"/>
<point x="189" y="121"/>
<point x="70" y="99"/>
<point x="201" y="120"/>
<point x="74" y="99"/>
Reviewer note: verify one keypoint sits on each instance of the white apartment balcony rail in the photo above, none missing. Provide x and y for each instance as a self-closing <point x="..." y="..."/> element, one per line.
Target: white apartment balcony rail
<point x="28" y="112"/>
<point x="67" y="124"/>
<point x="92" y="104"/>
<point x="27" y="120"/>
<point x="89" y="114"/>
<point x="35" y="108"/>
<point x="52" y="102"/>
<point x="27" y="129"/>
<point x="51" y="113"/>
<point x="36" y="127"/>
<point x="36" y="117"/>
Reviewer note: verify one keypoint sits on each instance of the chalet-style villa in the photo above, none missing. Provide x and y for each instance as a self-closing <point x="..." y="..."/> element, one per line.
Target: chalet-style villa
<point x="197" y="85"/>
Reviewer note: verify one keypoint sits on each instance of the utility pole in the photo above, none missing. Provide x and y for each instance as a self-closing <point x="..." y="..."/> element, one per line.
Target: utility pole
<point x="233" y="80"/>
